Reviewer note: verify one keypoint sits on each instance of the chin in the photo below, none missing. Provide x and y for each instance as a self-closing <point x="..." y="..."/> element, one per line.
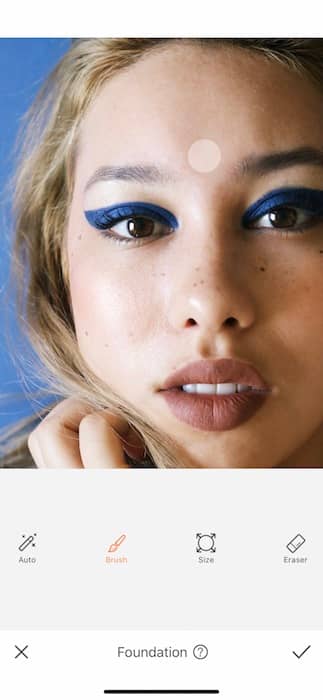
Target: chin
<point x="226" y="461"/>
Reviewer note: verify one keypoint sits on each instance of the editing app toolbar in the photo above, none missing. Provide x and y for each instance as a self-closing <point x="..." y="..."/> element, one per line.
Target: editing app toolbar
<point x="144" y="549"/>
<point x="170" y="583"/>
<point x="92" y="665"/>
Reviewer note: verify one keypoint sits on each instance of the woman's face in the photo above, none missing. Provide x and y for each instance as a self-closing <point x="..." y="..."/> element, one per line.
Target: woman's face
<point x="205" y="280"/>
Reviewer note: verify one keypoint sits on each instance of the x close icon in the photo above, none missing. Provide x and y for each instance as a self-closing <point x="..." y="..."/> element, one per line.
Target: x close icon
<point x="21" y="652"/>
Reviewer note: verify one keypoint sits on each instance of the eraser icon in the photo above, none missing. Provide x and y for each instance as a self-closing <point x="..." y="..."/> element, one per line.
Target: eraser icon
<point x="295" y="543"/>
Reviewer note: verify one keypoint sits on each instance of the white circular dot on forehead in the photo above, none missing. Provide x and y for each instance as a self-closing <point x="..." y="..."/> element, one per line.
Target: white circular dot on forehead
<point x="204" y="155"/>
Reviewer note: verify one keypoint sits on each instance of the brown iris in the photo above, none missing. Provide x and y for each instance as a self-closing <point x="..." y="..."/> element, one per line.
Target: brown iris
<point x="283" y="217"/>
<point x="140" y="227"/>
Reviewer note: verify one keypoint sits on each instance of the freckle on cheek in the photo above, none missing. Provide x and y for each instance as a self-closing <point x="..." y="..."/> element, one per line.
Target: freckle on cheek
<point x="262" y="269"/>
<point x="80" y="237"/>
<point x="86" y="333"/>
<point x="321" y="251"/>
<point x="200" y="282"/>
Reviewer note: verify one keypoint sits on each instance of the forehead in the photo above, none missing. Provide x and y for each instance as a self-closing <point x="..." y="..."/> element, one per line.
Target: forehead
<point x="158" y="107"/>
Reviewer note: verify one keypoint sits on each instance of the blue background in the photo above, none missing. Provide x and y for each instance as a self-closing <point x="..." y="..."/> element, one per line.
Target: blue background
<point x="24" y="63"/>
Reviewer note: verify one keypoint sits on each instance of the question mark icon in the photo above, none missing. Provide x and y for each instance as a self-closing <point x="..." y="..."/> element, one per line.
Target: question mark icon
<point x="200" y="651"/>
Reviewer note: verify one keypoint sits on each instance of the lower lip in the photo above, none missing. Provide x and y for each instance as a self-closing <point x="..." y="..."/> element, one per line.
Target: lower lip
<point x="214" y="412"/>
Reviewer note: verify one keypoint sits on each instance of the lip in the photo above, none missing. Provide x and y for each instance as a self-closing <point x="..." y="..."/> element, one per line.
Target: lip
<point x="215" y="412"/>
<point x="223" y="370"/>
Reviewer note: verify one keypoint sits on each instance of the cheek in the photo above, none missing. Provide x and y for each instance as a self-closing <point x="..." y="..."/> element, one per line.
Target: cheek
<point x="291" y="282"/>
<point x="112" y="310"/>
<point x="296" y="318"/>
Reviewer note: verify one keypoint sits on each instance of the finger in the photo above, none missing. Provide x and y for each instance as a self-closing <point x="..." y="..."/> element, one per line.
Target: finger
<point x="54" y="444"/>
<point x="35" y="450"/>
<point x="99" y="442"/>
<point x="133" y="444"/>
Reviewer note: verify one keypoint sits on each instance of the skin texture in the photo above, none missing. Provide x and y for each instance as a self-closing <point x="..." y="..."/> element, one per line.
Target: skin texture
<point x="142" y="312"/>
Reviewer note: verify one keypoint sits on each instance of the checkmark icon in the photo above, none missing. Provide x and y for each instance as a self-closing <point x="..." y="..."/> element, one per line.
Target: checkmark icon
<point x="302" y="652"/>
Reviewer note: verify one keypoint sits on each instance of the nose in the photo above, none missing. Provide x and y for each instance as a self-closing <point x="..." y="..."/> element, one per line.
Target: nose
<point x="211" y="291"/>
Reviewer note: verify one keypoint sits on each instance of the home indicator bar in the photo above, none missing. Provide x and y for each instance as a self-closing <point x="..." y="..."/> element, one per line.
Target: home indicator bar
<point x="162" y="692"/>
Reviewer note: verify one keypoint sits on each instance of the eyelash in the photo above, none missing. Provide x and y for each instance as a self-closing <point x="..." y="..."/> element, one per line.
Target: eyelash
<point x="104" y="219"/>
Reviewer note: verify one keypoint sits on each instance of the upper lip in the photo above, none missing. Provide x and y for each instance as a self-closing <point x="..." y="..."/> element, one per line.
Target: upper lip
<point x="223" y="370"/>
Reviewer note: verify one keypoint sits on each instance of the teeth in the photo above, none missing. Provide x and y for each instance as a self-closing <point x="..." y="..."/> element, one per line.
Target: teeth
<point x="223" y="388"/>
<point x="203" y="388"/>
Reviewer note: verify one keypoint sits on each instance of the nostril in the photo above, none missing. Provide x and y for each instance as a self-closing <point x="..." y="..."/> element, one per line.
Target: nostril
<point x="231" y="321"/>
<point x="190" y="322"/>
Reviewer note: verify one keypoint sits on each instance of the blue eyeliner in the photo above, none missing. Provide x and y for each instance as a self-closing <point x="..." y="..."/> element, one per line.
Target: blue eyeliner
<point x="308" y="199"/>
<point x="109" y="216"/>
<point x="302" y="197"/>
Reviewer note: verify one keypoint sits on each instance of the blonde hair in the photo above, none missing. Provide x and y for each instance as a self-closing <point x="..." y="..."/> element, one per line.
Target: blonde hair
<point x="42" y="191"/>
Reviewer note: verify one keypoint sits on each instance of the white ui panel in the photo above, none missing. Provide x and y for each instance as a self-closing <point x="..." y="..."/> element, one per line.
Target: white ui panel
<point x="161" y="549"/>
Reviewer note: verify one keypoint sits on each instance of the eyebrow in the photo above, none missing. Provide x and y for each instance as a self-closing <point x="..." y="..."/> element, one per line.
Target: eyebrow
<point x="139" y="172"/>
<point x="251" y="165"/>
<point x="261" y="165"/>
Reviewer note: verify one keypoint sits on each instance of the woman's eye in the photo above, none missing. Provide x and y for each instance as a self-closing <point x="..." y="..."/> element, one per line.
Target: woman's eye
<point x="138" y="227"/>
<point x="132" y="222"/>
<point x="285" y="209"/>
<point x="284" y="217"/>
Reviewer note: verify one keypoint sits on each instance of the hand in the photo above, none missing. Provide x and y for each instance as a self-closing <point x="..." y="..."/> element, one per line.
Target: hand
<point x="75" y="436"/>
